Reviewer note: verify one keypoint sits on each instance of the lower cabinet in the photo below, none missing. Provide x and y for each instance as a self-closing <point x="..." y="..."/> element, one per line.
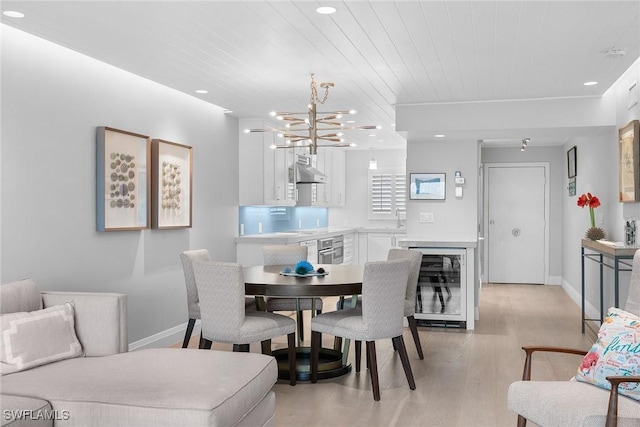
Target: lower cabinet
<point x="375" y="246"/>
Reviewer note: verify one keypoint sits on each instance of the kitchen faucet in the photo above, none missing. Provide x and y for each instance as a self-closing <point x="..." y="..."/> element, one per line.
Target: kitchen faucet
<point x="399" y="224"/>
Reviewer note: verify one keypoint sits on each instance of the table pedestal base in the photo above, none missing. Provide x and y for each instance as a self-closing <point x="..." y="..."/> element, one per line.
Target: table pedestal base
<point x="329" y="364"/>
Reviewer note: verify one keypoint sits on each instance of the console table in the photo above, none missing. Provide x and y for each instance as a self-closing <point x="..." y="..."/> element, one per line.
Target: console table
<point x="616" y="256"/>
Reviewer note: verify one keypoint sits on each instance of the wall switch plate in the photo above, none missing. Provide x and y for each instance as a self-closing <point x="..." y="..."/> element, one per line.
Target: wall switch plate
<point x="426" y="217"/>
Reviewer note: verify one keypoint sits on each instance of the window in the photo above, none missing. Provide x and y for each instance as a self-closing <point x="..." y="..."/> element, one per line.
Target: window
<point x="387" y="193"/>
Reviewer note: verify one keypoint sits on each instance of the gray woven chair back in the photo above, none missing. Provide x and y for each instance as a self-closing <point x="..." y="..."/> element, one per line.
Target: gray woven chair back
<point x="383" y="291"/>
<point x="415" y="257"/>
<point x="284" y="254"/>
<point x="221" y="291"/>
<point x="633" y="300"/>
<point x="188" y="258"/>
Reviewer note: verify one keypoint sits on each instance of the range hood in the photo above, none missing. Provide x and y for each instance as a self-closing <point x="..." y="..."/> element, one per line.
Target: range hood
<point x="301" y="172"/>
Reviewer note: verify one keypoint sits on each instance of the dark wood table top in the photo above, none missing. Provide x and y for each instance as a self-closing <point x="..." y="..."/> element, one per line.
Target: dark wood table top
<point x="267" y="280"/>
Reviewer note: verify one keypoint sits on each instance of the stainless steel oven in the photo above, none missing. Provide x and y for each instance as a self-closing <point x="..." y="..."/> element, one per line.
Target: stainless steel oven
<point x="331" y="250"/>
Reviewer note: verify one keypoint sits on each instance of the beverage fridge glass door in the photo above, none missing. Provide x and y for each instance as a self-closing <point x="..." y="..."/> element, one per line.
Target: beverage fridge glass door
<point x="441" y="293"/>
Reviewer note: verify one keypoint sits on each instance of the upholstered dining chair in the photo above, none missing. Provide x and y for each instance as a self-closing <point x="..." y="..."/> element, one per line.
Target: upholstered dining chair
<point x="381" y="315"/>
<point x="289" y="255"/>
<point x="224" y="319"/>
<point x="193" y="305"/>
<point x="415" y="257"/>
<point x="576" y="403"/>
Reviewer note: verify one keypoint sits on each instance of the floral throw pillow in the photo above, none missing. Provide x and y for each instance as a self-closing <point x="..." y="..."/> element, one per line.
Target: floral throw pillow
<point x="616" y="352"/>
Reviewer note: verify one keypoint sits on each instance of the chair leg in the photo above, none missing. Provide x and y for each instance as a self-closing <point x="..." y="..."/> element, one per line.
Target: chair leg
<point x="266" y="347"/>
<point x="205" y="344"/>
<point x="522" y="421"/>
<point x="243" y="348"/>
<point x="300" y="326"/>
<point x="291" y="340"/>
<point x="413" y="325"/>
<point x="315" y="355"/>
<point x="373" y="369"/>
<point x="404" y="357"/>
<point x="187" y="334"/>
<point x="358" y="355"/>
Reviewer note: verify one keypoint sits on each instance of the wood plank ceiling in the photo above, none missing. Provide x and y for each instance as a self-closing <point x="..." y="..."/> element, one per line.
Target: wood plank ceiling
<point x="256" y="56"/>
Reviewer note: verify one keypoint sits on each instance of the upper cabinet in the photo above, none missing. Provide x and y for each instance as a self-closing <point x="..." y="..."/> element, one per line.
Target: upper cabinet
<point x="264" y="172"/>
<point x="331" y="162"/>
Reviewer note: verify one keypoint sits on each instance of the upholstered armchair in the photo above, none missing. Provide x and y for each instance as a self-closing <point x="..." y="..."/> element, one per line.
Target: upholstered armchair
<point x="577" y="403"/>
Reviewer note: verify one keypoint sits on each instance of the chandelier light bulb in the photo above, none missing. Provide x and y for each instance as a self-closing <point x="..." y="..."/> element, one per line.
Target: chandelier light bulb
<point x="273" y="146"/>
<point x="352" y="111"/>
<point x="247" y="130"/>
<point x="273" y="114"/>
<point x="338" y="116"/>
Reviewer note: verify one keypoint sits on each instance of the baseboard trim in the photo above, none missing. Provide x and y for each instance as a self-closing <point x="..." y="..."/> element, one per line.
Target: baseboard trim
<point x="590" y="310"/>
<point x="165" y="338"/>
<point x="554" y="281"/>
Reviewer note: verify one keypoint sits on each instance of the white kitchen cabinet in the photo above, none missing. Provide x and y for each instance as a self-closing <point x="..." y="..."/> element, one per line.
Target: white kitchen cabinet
<point x="331" y="162"/>
<point x="312" y="250"/>
<point x="375" y="245"/>
<point x="349" y="249"/>
<point x="263" y="171"/>
<point x="277" y="188"/>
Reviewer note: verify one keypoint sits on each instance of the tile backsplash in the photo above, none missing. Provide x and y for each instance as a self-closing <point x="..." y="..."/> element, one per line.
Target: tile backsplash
<point x="273" y="219"/>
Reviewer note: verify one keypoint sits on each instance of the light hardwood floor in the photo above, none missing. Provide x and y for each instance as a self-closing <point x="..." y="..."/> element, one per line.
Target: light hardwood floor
<point x="464" y="377"/>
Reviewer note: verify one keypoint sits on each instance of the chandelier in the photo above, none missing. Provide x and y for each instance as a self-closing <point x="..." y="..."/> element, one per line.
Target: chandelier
<point x="313" y="128"/>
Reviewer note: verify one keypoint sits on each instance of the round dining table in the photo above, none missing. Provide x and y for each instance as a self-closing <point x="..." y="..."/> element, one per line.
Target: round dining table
<point x="338" y="280"/>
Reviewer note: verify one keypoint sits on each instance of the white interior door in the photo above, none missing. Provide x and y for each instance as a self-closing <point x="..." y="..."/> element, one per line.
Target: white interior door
<point x="516" y="224"/>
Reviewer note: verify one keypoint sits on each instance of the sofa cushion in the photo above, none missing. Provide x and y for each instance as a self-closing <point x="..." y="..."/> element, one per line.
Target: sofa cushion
<point x="616" y="352"/>
<point x="20" y="411"/>
<point x="568" y="403"/>
<point x="154" y="387"/>
<point x="22" y="295"/>
<point x="39" y="337"/>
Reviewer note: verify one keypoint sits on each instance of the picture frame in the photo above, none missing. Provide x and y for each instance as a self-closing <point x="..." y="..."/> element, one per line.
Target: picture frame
<point x="171" y="185"/>
<point x="572" y="162"/>
<point x="427" y="186"/>
<point x="122" y="184"/>
<point x="629" y="155"/>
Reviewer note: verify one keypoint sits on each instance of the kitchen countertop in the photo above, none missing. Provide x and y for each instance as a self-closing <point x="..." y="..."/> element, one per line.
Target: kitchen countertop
<point x="286" y="237"/>
<point x="425" y="243"/>
<point x="398" y="230"/>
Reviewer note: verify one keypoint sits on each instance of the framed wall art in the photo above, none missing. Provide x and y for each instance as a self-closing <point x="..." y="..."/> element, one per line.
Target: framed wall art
<point x="122" y="184"/>
<point x="171" y="182"/>
<point x="629" y="162"/>
<point x="572" y="162"/>
<point x="427" y="186"/>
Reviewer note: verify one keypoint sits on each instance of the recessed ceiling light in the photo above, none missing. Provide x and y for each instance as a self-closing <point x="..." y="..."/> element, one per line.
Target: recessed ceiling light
<point x="326" y="10"/>
<point x="439" y="135"/>
<point x="351" y="121"/>
<point x="227" y="111"/>
<point x="13" y="14"/>
<point x="590" y="83"/>
<point x="202" y="91"/>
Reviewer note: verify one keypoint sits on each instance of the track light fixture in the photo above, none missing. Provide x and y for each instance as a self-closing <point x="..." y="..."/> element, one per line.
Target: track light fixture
<point x="525" y="142"/>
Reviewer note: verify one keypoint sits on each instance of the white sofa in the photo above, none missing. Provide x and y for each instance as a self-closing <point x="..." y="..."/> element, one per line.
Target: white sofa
<point x="110" y="386"/>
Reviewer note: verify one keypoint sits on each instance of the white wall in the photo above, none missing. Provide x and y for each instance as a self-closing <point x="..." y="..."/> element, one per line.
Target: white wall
<point x="597" y="172"/>
<point x="52" y="101"/>
<point x="355" y="212"/>
<point x="455" y="219"/>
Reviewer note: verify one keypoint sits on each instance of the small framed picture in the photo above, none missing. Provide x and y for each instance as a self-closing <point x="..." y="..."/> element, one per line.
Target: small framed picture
<point x="572" y="165"/>
<point x="171" y="182"/>
<point x="122" y="183"/>
<point x="428" y="186"/>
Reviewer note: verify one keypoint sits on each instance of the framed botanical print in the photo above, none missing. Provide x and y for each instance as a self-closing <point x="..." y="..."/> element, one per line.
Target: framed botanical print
<point x="122" y="184"/>
<point x="171" y="182"/>
<point x="629" y="162"/>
